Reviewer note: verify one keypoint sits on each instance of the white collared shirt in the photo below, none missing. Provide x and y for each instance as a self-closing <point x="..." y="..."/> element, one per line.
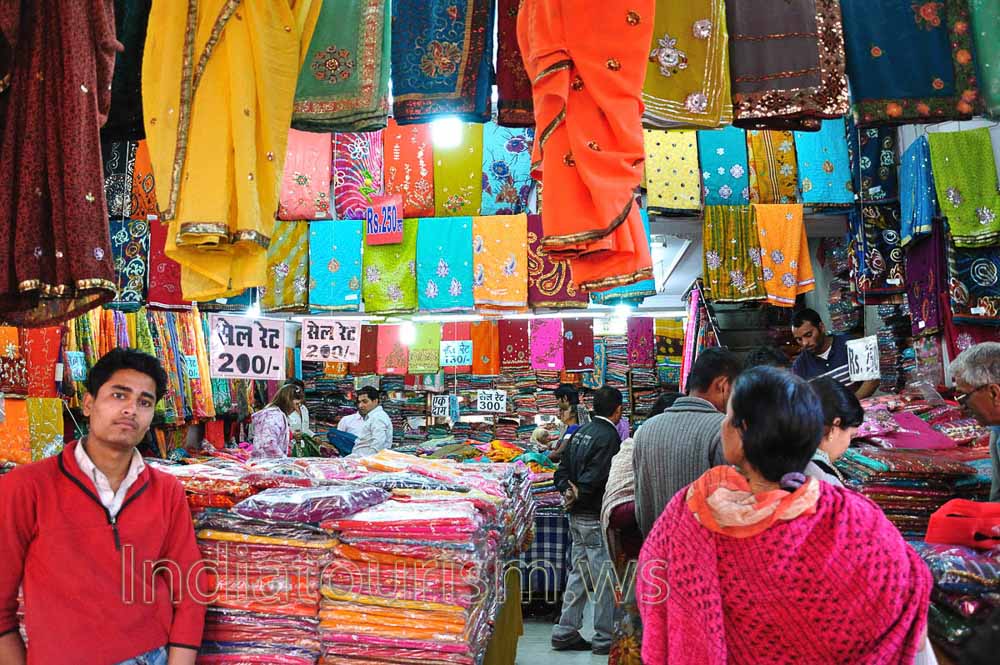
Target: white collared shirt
<point x="298" y="421"/>
<point x="109" y="498"/>
<point x="376" y="434"/>
<point x="352" y="424"/>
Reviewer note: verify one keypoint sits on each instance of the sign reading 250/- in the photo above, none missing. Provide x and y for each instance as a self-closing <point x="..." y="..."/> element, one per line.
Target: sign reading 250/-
<point x="245" y="348"/>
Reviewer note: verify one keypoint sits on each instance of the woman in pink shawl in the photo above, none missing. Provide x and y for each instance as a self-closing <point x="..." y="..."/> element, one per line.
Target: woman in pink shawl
<point x="765" y="565"/>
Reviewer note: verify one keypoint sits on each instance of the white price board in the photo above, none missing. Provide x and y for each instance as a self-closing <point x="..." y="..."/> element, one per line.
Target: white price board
<point x="456" y="354"/>
<point x="440" y="405"/>
<point x="863" y="359"/>
<point x="330" y="340"/>
<point x="245" y="348"/>
<point x="494" y="401"/>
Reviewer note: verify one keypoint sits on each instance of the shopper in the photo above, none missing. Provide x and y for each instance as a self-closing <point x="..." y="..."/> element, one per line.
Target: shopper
<point x="376" y="434"/>
<point x="581" y="478"/>
<point x="82" y="530"/>
<point x="673" y="449"/>
<point x="298" y="420"/>
<point x="823" y="354"/>
<point x="352" y="423"/>
<point x="569" y="416"/>
<point x="762" y="561"/>
<point x="272" y="434"/>
<point x="842" y="416"/>
<point x="977" y="379"/>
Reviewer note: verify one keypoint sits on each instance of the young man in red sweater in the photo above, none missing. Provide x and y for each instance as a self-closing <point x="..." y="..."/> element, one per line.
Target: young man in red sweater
<point x="103" y="544"/>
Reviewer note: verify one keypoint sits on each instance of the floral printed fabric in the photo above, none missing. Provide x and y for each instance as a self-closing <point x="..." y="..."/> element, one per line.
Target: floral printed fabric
<point x="335" y="265"/>
<point x="877" y="259"/>
<point x="409" y="167"/>
<point x="40" y="347"/>
<point x="909" y="61"/>
<point x="15" y="433"/>
<point x="966" y="191"/>
<point x="119" y="165"/>
<point x="444" y="264"/>
<point x="784" y="253"/>
<point x="731" y="263"/>
<point x="873" y="162"/>
<point x="724" y="168"/>
<point x="547" y="344"/>
<point x="390" y="274"/>
<point x="500" y="263"/>
<point x="458" y="182"/>
<point x="130" y="252"/>
<point x="164" y="272"/>
<point x="143" y="185"/>
<point x="578" y="344"/>
<point x="287" y="287"/>
<point x="45" y="425"/>
<point x="550" y="281"/>
<point x="357" y="172"/>
<point x="824" y="166"/>
<point x="918" y="203"/>
<point x="425" y="352"/>
<point x="595" y="378"/>
<point x="641" y="346"/>
<point x="515" y="107"/>
<point x="672" y="177"/>
<point x="985" y="21"/>
<point x="506" y="169"/>
<point x="514" y="348"/>
<point x="974" y="284"/>
<point x="925" y="279"/>
<point x="305" y="186"/>
<point x="485" y="348"/>
<point x="773" y="168"/>
<point x="393" y="355"/>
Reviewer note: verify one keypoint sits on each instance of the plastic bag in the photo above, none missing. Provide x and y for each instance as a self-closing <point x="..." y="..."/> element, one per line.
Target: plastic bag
<point x="311" y="505"/>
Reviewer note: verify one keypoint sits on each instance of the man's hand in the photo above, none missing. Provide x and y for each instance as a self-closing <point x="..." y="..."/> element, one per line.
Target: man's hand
<point x="570" y="496"/>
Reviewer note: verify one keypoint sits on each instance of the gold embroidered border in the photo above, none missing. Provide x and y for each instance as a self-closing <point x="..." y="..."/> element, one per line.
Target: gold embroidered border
<point x="585" y="236"/>
<point x="255" y="237"/>
<point x="61" y="290"/>
<point x="546" y="134"/>
<point x="552" y="69"/>
<point x="200" y="228"/>
<point x="621" y="280"/>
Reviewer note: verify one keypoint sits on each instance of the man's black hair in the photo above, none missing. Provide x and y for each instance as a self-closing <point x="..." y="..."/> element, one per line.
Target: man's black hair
<point x="804" y="316"/>
<point x="765" y="356"/>
<point x="710" y="365"/>
<point x="370" y="392"/>
<point x="606" y="400"/>
<point x="569" y="392"/>
<point x="119" y="359"/>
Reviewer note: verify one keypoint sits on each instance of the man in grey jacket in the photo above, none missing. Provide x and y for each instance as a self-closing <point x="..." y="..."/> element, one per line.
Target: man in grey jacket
<point x="676" y="447"/>
<point x="977" y="379"/>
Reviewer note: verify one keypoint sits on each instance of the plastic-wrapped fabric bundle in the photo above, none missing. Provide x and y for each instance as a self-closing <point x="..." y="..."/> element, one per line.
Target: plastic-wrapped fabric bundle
<point x="405" y="480"/>
<point x="311" y="505"/>
<point x="454" y="520"/>
<point x="961" y="569"/>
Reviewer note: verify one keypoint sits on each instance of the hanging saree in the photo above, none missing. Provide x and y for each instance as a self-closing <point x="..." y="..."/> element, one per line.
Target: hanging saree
<point x="725" y="169"/>
<point x="130" y="253"/>
<point x="45" y="427"/>
<point x="968" y="193"/>
<point x="687" y="78"/>
<point x="485" y="348"/>
<point x="368" y="353"/>
<point x="594" y="379"/>
<point x="442" y="59"/>
<point x="787" y="63"/>
<point x="500" y="263"/>
<point x="238" y="303"/>
<point x="287" y="287"/>
<point x="985" y="20"/>
<point x="546" y="336"/>
<point x="143" y="185"/>
<point x="873" y="162"/>
<point x="40" y="348"/>
<point x="773" y="168"/>
<point x="119" y="167"/>
<point x="357" y="172"/>
<point x="578" y="344"/>
<point x="390" y="274"/>
<point x="909" y="62"/>
<point x="786" y="265"/>
<point x="335" y="265"/>
<point x="15" y="432"/>
<point x="974" y="284"/>
<point x="550" y="282"/>
<point x="824" y="165"/>
<point x="918" y="202"/>
<point x="672" y="180"/>
<point x="425" y="352"/>
<point x="514" y="105"/>
<point x="641" y="347"/>
<point x="343" y="83"/>
<point x="164" y="272"/>
<point x="631" y="294"/>
<point x="458" y="180"/>
<point x="217" y="134"/>
<point x="409" y="167"/>
<point x="960" y="337"/>
<point x="879" y="257"/>
<point x="305" y="186"/>
<point x="125" y="115"/>
<point x="506" y="169"/>
<point x="515" y="354"/>
<point x="731" y="262"/>
<point x="393" y="355"/>
<point x="925" y="280"/>
<point x="589" y="152"/>
<point x="457" y="331"/>
<point x="444" y="264"/>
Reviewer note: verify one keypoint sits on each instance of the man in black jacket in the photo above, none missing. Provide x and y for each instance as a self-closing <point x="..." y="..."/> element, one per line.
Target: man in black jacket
<point x="581" y="478"/>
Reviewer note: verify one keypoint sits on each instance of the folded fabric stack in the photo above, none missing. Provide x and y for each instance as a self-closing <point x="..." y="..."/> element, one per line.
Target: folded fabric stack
<point x="526" y="406"/>
<point x="506" y="429"/>
<point x="644" y="377"/>
<point x="215" y="485"/>
<point x="893" y="335"/>
<point x="546" y="380"/>
<point x="617" y="372"/>
<point x="543" y="489"/>
<point x="547" y="403"/>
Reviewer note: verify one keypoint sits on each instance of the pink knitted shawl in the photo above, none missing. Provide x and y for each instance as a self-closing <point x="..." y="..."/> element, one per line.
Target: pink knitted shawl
<point x="837" y="586"/>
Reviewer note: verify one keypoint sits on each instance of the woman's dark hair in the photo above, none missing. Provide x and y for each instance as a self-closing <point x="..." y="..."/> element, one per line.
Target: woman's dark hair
<point x="780" y="418"/>
<point x="838" y="402"/>
<point x="569" y="392"/>
<point x="664" y="402"/>
<point x="296" y="382"/>
<point x="119" y="359"/>
<point x="285" y="397"/>
<point x="369" y="392"/>
<point x="765" y="356"/>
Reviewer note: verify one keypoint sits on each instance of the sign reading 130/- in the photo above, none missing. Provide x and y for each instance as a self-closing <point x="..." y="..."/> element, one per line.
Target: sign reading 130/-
<point x="245" y="348"/>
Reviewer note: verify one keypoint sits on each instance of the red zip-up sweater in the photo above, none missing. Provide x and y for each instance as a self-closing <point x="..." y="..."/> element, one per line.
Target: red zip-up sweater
<point x="89" y="595"/>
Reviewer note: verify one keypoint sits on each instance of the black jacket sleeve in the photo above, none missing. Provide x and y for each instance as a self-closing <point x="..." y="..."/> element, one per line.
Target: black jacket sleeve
<point x="594" y="469"/>
<point x="561" y="476"/>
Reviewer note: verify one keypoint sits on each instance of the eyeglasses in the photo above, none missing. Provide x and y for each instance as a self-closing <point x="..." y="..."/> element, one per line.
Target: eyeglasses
<point x="964" y="398"/>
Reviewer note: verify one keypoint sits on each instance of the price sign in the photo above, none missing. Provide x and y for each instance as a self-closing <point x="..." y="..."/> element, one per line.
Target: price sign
<point x="77" y="365"/>
<point x="384" y="220"/>
<point x="453" y="411"/>
<point x="491" y="400"/>
<point x="245" y="348"/>
<point x="456" y="354"/>
<point x="863" y="359"/>
<point x="192" y="367"/>
<point x="440" y="406"/>
<point x="330" y="340"/>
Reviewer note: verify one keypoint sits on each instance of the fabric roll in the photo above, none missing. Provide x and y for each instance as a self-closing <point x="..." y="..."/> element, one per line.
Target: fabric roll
<point x="514" y="105"/>
<point x="444" y="264"/>
<point x="631" y="294"/>
<point x="594" y="379"/>
<point x="786" y="265"/>
<point x="550" y="281"/>
<point x="409" y="167"/>
<point x="824" y="166"/>
<point x="578" y="344"/>
<point x="515" y="353"/>
<point x="506" y="169"/>
<point x="357" y="172"/>
<point x="725" y="169"/>
<point x="458" y="182"/>
<point x="485" y="348"/>
<point x="918" y="203"/>
<point x="873" y="163"/>
<point x="926" y="277"/>
<point x="974" y="284"/>
<point x="343" y="82"/>
<point x="393" y="355"/>
<point x="731" y="241"/>
<point x="672" y="179"/>
<point x="287" y="287"/>
<point x="967" y="192"/>
<point x="143" y="184"/>
<point x="500" y="263"/>
<point x="164" y="273"/>
<point x="641" y="347"/>
<point x="773" y="167"/>
<point x="909" y="62"/>
<point x="130" y="252"/>
<point x="687" y="78"/>
<point x="425" y="352"/>
<point x="305" y="186"/>
<point x="985" y="21"/>
<point x="787" y="66"/>
<point x="442" y="59"/>
<point x="457" y="331"/>
<point x="546" y="336"/>
<point x="335" y="265"/>
<point x="390" y="274"/>
<point x="368" y="352"/>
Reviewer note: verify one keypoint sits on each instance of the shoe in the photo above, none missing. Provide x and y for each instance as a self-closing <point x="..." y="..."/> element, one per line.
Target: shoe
<point x="579" y="644"/>
<point x="601" y="651"/>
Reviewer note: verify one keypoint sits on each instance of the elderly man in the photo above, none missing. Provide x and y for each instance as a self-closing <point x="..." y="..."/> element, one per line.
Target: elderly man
<point x="977" y="380"/>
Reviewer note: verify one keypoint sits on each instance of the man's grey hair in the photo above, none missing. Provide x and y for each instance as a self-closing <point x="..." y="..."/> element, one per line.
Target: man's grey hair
<point x="978" y="365"/>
